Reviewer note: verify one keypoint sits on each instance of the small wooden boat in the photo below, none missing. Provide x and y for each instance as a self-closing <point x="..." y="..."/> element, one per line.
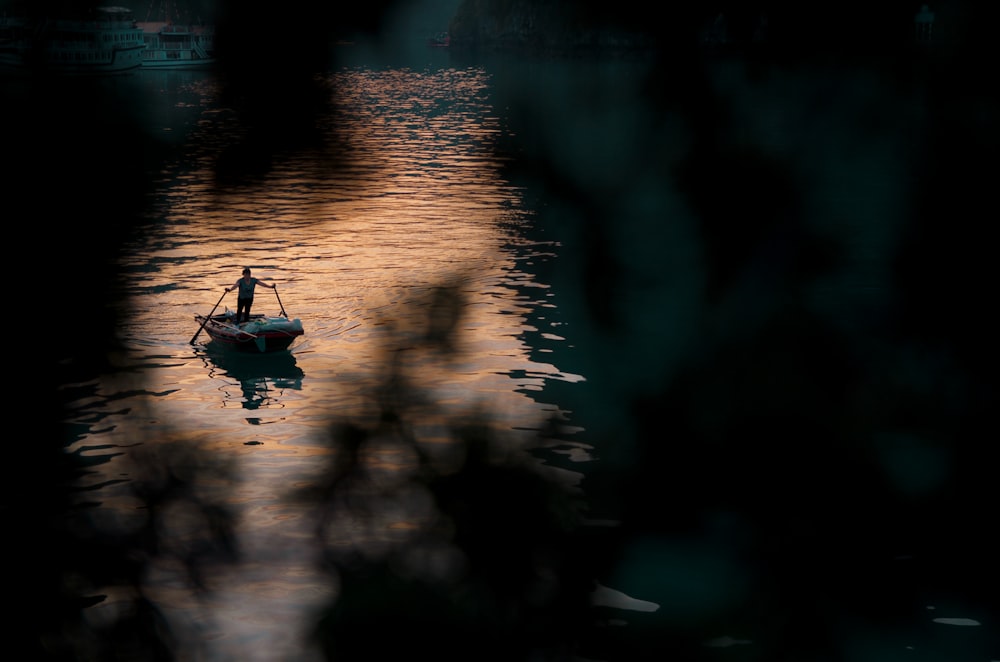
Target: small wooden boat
<point x="262" y="334"/>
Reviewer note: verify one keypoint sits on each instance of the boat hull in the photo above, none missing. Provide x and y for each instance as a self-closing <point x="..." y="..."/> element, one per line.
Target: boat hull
<point x="261" y="335"/>
<point x="183" y="61"/>
<point x="116" y="60"/>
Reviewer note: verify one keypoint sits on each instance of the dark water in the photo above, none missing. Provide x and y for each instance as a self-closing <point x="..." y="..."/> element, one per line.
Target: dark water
<point x="602" y="359"/>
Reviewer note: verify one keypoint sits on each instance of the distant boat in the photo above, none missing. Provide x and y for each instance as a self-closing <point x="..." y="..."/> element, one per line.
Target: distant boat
<point x="102" y="40"/>
<point x="177" y="46"/>
<point x="440" y="40"/>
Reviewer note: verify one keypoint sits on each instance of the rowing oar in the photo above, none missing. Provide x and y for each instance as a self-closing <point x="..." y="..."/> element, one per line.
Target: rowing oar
<point x="283" y="313"/>
<point x="196" y="333"/>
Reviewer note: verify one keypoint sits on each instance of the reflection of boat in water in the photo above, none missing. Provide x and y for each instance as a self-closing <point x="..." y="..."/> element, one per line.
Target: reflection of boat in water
<point x="263" y="378"/>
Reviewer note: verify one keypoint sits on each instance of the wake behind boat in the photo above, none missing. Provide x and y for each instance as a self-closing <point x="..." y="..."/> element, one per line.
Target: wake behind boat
<point x="262" y="334"/>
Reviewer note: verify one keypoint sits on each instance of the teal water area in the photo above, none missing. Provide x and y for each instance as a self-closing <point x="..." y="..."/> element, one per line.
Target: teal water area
<point x="603" y="360"/>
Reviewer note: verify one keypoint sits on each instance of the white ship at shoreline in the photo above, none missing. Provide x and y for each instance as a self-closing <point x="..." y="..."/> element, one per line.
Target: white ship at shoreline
<point x="101" y="40"/>
<point x="169" y="45"/>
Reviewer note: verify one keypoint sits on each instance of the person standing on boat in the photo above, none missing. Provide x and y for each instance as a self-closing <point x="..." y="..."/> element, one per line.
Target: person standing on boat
<point x="244" y="299"/>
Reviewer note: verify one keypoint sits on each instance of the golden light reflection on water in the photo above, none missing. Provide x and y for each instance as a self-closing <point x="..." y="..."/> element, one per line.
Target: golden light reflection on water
<point x="405" y="196"/>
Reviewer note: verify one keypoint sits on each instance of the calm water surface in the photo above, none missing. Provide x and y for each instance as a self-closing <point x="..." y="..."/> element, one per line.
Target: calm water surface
<point x="406" y="197"/>
<point x="402" y="193"/>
